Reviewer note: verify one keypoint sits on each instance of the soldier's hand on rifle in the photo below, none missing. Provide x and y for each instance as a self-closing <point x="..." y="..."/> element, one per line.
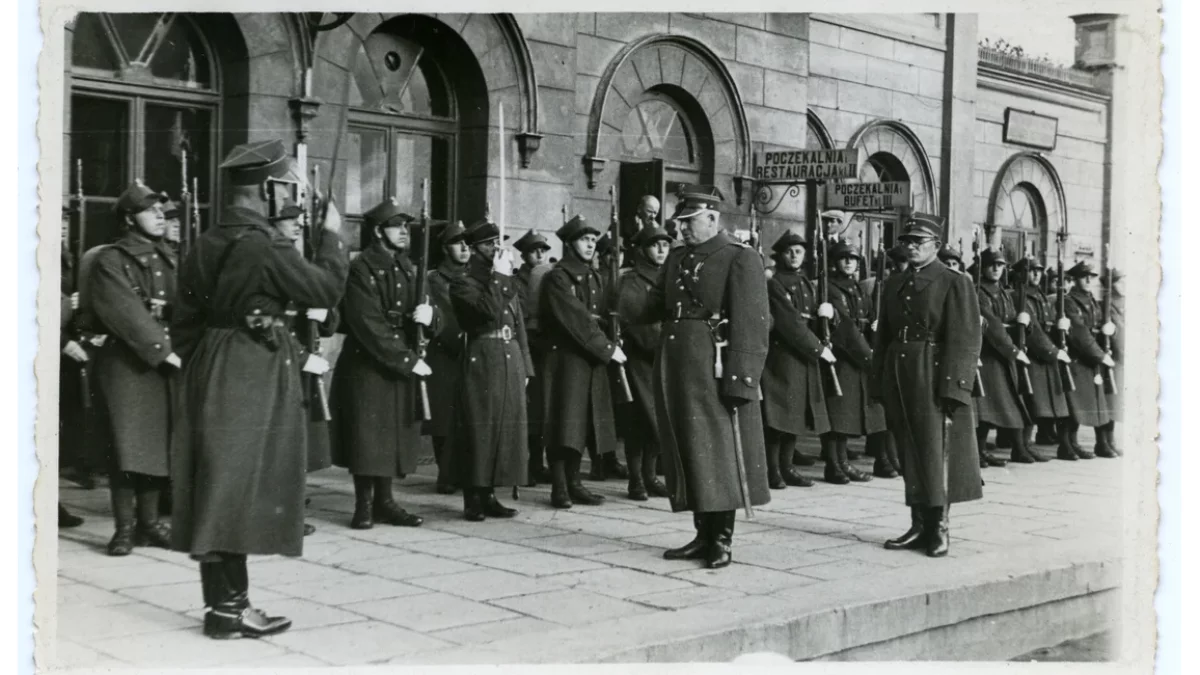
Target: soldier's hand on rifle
<point x="423" y="314"/>
<point x="315" y="365"/>
<point x="827" y="355"/>
<point x="1108" y="361"/>
<point x="422" y="369"/>
<point x="875" y="326"/>
<point x="1064" y="323"/>
<point x="1023" y="318"/>
<point x="75" y="351"/>
<point x="173" y="360"/>
<point x="825" y="310"/>
<point x="75" y="300"/>
<point x="503" y="262"/>
<point x="315" y="314"/>
<point x="618" y="355"/>
<point x="1109" y="329"/>
<point x="1063" y="356"/>
<point x="333" y="219"/>
<point x="1022" y="357"/>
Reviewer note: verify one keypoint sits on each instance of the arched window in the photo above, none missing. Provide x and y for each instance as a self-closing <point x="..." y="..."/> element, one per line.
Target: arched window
<point x="656" y="128"/>
<point x="1026" y="204"/>
<point x="144" y="92"/>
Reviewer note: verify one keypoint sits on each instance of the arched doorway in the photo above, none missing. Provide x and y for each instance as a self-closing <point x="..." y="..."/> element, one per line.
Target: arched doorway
<point x="890" y="152"/>
<point x="145" y="92"/>
<point x="1026" y="205"/>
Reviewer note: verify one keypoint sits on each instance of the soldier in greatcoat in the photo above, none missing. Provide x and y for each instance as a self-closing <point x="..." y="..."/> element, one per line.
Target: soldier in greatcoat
<point x="239" y="463"/>
<point x="1047" y="403"/>
<point x="533" y="248"/>
<point x="1114" y="331"/>
<point x="73" y="361"/>
<point x="1089" y="404"/>
<point x="576" y="394"/>
<point x="488" y="442"/>
<point x="1001" y="406"/>
<point x="793" y="397"/>
<point x="637" y="422"/>
<point x="951" y="258"/>
<point x="923" y="368"/>
<point x="377" y="377"/>
<point x="132" y="292"/>
<point x="881" y="445"/>
<point x="712" y="300"/>
<point x="605" y="465"/>
<point x="445" y="348"/>
<point x="852" y="414"/>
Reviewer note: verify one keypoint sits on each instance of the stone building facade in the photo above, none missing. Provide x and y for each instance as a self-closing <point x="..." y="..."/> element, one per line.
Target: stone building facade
<point x="636" y="102"/>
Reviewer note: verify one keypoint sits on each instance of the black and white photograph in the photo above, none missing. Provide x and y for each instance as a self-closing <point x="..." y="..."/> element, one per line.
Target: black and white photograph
<point x="392" y="338"/>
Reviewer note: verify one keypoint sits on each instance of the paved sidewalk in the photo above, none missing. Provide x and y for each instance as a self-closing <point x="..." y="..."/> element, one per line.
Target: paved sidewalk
<point x="453" y="591"/>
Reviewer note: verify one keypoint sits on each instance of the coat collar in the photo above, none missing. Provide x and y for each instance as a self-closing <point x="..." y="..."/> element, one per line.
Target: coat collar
<point x="923" y="277"/>
<point x="451" y="269"/>
<point x="380" y="257"/>
<point x="238" y="216"/>
<point x="478" y="268"/>
<point x="843" y="282"/>
<point x="717" y="242"/>
<point x="646" y="270"/>
<point x="575" y="267"/>
<point x="138" y="246"/>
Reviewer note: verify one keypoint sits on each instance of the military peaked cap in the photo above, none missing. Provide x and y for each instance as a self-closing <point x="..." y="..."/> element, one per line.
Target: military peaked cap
<point x="695" y="200"/>
<point x="897" y="254"/>
<point x="482" y="231"/>
<point x="137" y="198"/>
<point x="1023" y="266"/>
<point x="649" y="235"/>
<point x="452" y="233"/>
<point x="254" y="163"/>
<point x="843" y="249"/>
<point x="170" y="208"/>
<point x="1081" y="269"/>
<point x="992" y="256"/>
<point x="949" y="253"/>
<point x="788" y="240"/>
<point x="387" y="214"/>
<point x="574" y="229"/>
<point x="924" y="226"/>
<point x="530" y="241"/>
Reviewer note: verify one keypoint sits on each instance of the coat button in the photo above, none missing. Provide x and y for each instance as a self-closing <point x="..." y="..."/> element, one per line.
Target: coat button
<point x="748" y="381"/>
<point x="158" y="273"/>
<point x="287" y="362"/>
<point x="157" y="346"/>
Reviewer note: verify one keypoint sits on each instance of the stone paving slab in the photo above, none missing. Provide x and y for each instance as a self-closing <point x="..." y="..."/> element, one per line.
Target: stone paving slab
<point x="589" y="584"/>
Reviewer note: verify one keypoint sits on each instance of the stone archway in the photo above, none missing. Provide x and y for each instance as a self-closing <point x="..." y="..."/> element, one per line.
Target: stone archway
<point x="1033" y="173"/>
<point x="890" y="143"/>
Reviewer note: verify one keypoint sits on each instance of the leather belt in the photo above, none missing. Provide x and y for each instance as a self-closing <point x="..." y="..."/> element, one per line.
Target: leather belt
<point x="916" y="334"/>
<point x="505" y="333"/>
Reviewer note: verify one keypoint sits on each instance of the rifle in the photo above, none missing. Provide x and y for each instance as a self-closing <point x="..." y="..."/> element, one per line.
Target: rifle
<point x="425" y="414"/>
<point x="85" y="386"/>
<point x="1022" y="368"/>
<point x="316" y="383"/>
<point x="185" y="208"/>
<point x="823" y="298"/>
<point x="877" y="291"/>
<point x="614" y="267"/>
<point x="1061" y="299"/>
<point x="196" y="224"/>
<point x="976" y="253"/>
<point x="1110" y="383"/>
<point x="755" y="231"/>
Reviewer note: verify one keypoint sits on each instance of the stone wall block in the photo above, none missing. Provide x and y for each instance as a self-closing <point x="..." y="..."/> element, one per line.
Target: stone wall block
<point x="768" y="50"/>
<point x="837" y="63"/>
<point x="916" y="110"/>
<point x="895" y="75"/>
<point x="863" y="99"/>
<point x="556" y="28"/>
<point x="822" y="91"/>
<point x="720" y="37"/>
<point x="553" y="65"/>
<point x="594" y="54"/>
<point x="866" y="43"/>
<point x="786" y="92"/>
<point x="629" y="26"/>
<point x="791" y="24"/>
<point x="749" y="81"/>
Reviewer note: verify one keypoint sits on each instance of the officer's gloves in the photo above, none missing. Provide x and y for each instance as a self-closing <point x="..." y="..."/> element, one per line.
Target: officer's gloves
<point x="173" y="360"/>
<point x="1022" y="357"/>
<point x="423" y="314"/>
<point x="318" y="315"/>
<point x="1108" y="361"/>
<point x="1109" y="329"/>
<point x="1023" y="318"/>
<point x="618" y="355"/>
<point x="1064" y="323"/>
<point x="827" y="355"/>
<point x="333" y="220"/>
<point x="422" y="369"/>
<point x="73" y="350"/>
<point x="315" y="365"/>
<point x="502" y="263"/>
<point x="1064" y="356"/>
<point x="825" y="310"/>
<point x="75" y="300"/>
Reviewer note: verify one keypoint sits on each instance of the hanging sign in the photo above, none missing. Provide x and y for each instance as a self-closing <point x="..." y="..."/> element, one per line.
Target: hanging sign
<point x="1030" y="129"/>
<point x="788" y="166"/>
<point x="868" y="196"/>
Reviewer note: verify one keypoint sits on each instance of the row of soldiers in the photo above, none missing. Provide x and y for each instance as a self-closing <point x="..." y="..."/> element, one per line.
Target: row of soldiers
<point x="201" y="375"/>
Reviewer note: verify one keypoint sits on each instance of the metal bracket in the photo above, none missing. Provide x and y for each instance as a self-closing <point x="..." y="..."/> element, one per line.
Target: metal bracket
<point x="764" y="200"/>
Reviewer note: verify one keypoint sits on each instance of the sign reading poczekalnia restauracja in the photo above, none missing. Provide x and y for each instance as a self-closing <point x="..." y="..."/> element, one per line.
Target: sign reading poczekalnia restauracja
<point x="801" y="165"/>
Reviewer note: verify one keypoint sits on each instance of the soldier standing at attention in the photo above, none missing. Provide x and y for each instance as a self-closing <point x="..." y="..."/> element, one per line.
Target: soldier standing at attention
<point x="576" y="393"/>
<point x="375" y="383"/>
<point x="638" y="421"/>
<point x="488" y="441"/>
<point x="1047" y="404"/>
<point x="605" y="464"/>
<point x="445" y="348"/>
<point x="712" y="300"/>
<point x="951" y="258"/>
<point x="533" y="248"/>
<point x="923" y="369"/>
<point x="132" y="290"/>
<point x="1114" y="330"/>
<point x="1088" y="403"/>
<point x="852" y="414"/>
<point x="238" y="468"/>
<point x="793" y="399"/>
<point x="1001" y="407"/>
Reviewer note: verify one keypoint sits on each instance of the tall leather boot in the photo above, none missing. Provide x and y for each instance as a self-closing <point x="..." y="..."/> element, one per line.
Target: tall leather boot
<point x="774" y="477"/>
<point x="492" y="506"/>
<point x="1047" y="433"/>
<point x="937" y="526"/>
<point x="579" y="494"/>
<point x="893" y="452"/>
<point x="596" y="472"/>
<point x="538" y="473"/>
<point x="986" y="458"/>
<point x="66" y="519"/>
<point x="560" y="496"/>
<point x="801" y="459"/>
<point x="654" y="487"/>
<point x="211" y="583"/>
<point x="877" y="448"/>
<point x="1103" y="448"/>
<point x="364" y="488"/>
<point x="833" y="468"/>
<point x="443" y="485"/>
<point x="1110" y="437"/>
<point x="637" y="482"/>
<point x="787" y="446"/>
<point x="150" y="530"/>
<point x="843" y="456"/>
<point x="123" y="499"/>
<point x="473" y="504"/>
<point x="697" y="548"/>
<point x="613" y="466"/>
<point x="1065" y="451"/>
<point x="915" y="537"/>
<point x="386" y="510"/>
<point x="1029" y="445"/>
<point x="232" y="616"/>
<point x="1021" y="453"/>
<point x="720" y="549"/>
<point x="1073" y="437"/>
<point x="166" y="503"/>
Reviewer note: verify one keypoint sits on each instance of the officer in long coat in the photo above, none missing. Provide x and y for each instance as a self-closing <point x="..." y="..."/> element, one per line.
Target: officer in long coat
<point x="533" y="248"/>
<point x="377" y="377"/>
<point x="132" y="290"/>
<point x="1089" y="403"/>
<point x="1047" y="402"/>
<point x="488" y="441"/>
<point x="1001" y="407"/>
<point x="712" y="300"/>
<point x="923" y="368"/>
<point x="446" y="347"/>
<point x="239" y="462"/>
<point x="852" y="414"/>
<point x="793" y="397"/>
<point x="576" y="395"/>
<point x="637" y="421"/>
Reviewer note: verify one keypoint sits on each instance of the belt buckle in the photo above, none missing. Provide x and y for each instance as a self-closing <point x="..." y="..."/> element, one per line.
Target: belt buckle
<point x="506" y="333"/>
<point x="904" y="334"/>
<point x="678" y="311"/>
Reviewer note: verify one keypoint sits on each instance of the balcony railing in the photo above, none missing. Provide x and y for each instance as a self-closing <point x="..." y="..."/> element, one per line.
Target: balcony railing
<point x="1027" y="66"/>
